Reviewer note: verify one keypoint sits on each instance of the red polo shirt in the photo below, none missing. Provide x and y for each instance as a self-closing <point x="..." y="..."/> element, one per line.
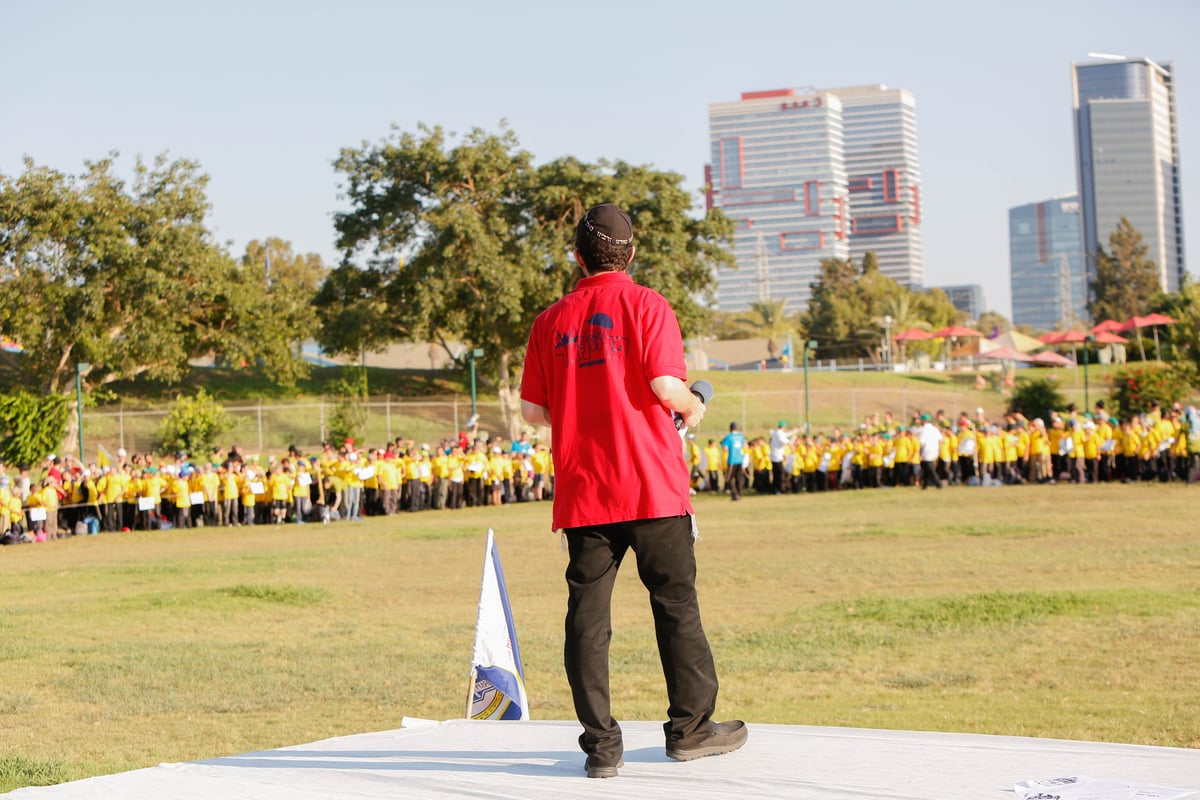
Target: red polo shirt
<point x="590" y="360"/>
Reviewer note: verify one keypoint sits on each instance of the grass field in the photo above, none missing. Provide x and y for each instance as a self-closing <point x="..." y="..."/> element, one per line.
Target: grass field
<point x="1056" y="611"/>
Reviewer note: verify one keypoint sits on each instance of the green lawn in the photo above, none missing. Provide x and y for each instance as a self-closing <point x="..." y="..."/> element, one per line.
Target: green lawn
<point x="1056" y="611"/>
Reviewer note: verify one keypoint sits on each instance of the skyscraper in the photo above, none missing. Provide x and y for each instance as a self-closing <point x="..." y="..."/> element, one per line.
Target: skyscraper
<point x="777" y="169"/>
<point x="1046" y="264"/>
<point x="884" y="174"/>
<point x="1127" y="155"/>
<point x="814" y="174"/>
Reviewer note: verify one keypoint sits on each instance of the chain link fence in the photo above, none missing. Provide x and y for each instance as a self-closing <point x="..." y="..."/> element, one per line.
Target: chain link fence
<point x="266" y="427"/>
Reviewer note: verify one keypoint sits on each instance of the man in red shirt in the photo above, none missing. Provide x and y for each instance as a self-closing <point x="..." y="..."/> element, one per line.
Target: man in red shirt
<point x="605" y="370"/>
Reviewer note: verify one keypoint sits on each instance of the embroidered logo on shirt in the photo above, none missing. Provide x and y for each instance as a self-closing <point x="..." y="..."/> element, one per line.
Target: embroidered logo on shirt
<point x="591" y="345"/>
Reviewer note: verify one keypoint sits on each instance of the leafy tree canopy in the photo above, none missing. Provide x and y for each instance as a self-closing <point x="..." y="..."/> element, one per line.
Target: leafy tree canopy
<point x="464" y="239"/>
<point x="126" y="278"/>
<point x="848" y="309"/>
<point x="1126" y="280"/>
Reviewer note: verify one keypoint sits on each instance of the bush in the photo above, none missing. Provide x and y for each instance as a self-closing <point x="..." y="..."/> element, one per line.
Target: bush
<point x="1135" y="388"/>
<point x="193" y="424"/>
<point x="31" y="426"/>
<point x="1036" y="398"/>
<point x="349" y="417"/>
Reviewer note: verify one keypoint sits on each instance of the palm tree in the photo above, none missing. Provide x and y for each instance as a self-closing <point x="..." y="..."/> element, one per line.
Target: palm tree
<point x="767" y="318"/>
<point x="896" y="313"/>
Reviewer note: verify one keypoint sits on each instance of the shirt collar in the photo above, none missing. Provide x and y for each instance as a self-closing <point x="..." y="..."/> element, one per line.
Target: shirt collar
<point x="602" y="278"/>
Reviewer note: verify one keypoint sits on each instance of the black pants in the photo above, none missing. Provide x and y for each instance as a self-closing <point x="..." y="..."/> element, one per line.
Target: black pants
<point x="733" y="480"/>
<point x="777" y="477"/>
<point x="929" y="475"/>
<point x="666" y="563"/>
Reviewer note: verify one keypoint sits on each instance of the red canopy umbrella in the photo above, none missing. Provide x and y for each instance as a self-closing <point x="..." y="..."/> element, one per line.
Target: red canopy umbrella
<point x="1053" y="337"/>
<point x="912" y="335"/>
<point x="1158" y="319"/>
<point x="1148" y="321"/>
<point x="1003" y="353"/>
<point x="1049" y="358"/>
<point x="956" y="331"/>
<point x="1108" y="337"/>
<point x="1109" y="326"/>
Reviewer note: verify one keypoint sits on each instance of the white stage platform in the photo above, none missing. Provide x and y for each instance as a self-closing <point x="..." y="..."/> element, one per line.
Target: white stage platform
<point x="529" y="760"/>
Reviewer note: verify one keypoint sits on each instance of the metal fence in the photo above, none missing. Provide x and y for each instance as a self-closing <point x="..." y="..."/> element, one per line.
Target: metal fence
<point x="265" y="427"/>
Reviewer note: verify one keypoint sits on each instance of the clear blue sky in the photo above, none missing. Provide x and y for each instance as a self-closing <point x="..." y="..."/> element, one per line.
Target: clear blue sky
<point x="264" y="94"/>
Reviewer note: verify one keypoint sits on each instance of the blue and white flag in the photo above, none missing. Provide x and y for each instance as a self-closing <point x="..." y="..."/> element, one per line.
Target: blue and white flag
<point x="497" y="679"/>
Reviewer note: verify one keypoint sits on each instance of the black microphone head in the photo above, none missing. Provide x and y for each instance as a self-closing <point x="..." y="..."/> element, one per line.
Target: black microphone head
<point x="704" y="390"/>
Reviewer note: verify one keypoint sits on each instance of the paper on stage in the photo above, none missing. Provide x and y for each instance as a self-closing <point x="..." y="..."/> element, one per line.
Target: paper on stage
<point x="1082" y="788"/>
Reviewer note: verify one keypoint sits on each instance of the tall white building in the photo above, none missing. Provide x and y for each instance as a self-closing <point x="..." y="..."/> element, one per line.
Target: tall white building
<point x="884" y="173"/>
<point x="1127" y="157"/>
<point x="777" y="169"/>
<point x="813" y="174"/>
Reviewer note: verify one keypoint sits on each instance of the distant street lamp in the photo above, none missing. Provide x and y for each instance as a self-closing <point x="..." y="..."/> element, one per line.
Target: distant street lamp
<point x="811" y="344"/>
<point x="476" y="353"/>
<point x="887" y="340"/>
<point x="1086" y="400"/>
<point x="80" y="368"/>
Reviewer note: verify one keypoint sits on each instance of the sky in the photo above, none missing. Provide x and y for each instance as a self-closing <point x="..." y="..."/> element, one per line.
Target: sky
<point x="264" y="94"/>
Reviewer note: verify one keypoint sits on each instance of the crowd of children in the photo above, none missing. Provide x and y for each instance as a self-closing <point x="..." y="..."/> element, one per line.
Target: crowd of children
<point x="1160" y="445"/>
<point x="142" y="492"/>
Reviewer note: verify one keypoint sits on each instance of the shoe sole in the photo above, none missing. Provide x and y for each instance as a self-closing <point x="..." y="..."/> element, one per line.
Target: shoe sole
<point x="692" y="754"/>
<point x="603" y="772"/>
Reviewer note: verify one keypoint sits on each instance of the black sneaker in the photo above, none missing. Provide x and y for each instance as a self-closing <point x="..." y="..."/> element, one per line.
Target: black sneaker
<point x="723" y="737"/>
<point x="597" y="770"/>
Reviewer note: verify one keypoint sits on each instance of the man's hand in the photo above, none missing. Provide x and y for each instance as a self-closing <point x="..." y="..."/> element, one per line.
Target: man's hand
<point x="676" y="396"/>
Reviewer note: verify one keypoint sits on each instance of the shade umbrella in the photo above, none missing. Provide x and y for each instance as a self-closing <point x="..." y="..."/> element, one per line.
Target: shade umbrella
<point x="1049" y="358"/>
<point x="1109" y="326"/>
<point x="1148" y="321"/>
<point x="1071" y="337"/>
<point x="912" y="335"/>
<point x="1006" y="354"/>
<point x="1108" y="337"/>
<point x="954" y="332"/>
<point x="1053" y="337"/>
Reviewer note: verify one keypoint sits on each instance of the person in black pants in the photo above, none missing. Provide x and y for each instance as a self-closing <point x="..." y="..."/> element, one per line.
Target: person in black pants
<point x="604" y="370"/>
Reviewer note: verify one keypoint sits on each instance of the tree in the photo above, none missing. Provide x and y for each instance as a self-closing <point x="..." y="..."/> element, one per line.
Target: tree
<point x="193" y="425"/>
<point x="770" y="320"/>
<point x="837" y="312"/>
<point x="127" y="279"/>
<point x="282" y="267"/>
<point x="31" y="426"/>
<point x="1180" y="342"/>
<point x="1125" y="279"/>
<point x="468" y="241"/>
<point x="848" y="309"/>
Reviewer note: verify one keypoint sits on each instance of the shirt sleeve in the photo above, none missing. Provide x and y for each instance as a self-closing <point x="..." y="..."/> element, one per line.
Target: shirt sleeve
<point x="533" y="375"/>
<point x="662" y="340"/>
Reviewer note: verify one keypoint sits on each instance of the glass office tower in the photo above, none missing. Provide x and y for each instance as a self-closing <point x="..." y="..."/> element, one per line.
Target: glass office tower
<point x="1046" y="264"/>
<point x="1127" y="158"/>
<point x="778" y="170"/>
<point x="884" y="179"/>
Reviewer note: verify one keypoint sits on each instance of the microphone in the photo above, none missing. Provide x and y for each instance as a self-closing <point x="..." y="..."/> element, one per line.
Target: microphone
<point x="702" y="389"/>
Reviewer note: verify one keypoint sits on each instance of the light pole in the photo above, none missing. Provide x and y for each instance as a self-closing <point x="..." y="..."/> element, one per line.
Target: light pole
<point x="810" y="344"/>
<point x="887" y="340"/>
<point x="1086" y="399"/>
<point x="80" y="368"/>
<point x="476" y="353"/>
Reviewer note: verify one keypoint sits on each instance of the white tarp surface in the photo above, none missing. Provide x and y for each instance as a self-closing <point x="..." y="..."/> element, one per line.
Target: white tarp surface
<point x="527" y="760"/>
